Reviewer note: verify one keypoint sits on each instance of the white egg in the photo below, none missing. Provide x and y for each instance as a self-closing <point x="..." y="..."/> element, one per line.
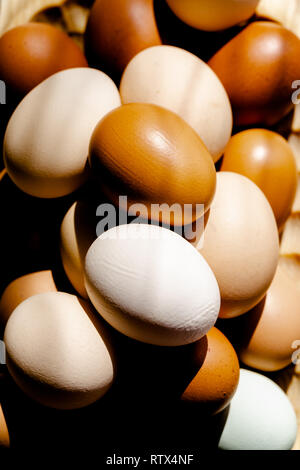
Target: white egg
<point x="181" y="82"/>
<point x="260" y="417"/>
<point x="152" y="285"/>
<point x="47" y="138"/>
<point x="58" y="351"/>
<point x="213" y="15"/>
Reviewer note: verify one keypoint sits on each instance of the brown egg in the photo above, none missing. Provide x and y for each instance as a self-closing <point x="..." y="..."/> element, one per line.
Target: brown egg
<point x="32" y="52"/>
<point x="4" y="435"/>
<point x="153" y="157"/>
<point x="257" y="68"/>
<point x="118" y="30"/>
<point x="215" y="383"/>
<point x="267" y="159"/>
<point x="22" y="288"/>
<point x="268" y="331"/>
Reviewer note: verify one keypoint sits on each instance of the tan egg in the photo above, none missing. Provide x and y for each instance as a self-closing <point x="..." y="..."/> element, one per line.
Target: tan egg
<point x="267" y="159"/>
<point x="213" y="15"/>
<point x="215" y="383"/>
<point x="77" y="233"/>
<point x="22" y="288"/>
<point x="118" y="30"/>
<point x="181" y="82"/>
<point x="33" y="52"/>
<point x="58" y="351"/>
<point x="268" y="331"/>
<point x="47" y="138"/>
<point x="240" y="243"/>
<point x="157" y="160"/>
<point x="4" y="435"/>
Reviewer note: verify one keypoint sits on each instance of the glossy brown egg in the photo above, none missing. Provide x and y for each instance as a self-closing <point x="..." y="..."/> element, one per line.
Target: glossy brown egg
<point x="270" y="332"/>
<point x="117" y="30"/>
<point x="267" y="159"/>
<point x="257" y="68"/>
<point x="4" y="435"/>
<point x="215" y="383"/>
<point x="153" y="157"/>
<point x="32" y="52"/>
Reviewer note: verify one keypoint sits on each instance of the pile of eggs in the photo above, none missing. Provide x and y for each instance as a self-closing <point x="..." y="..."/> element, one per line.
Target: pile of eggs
<point x="98" y="272"/>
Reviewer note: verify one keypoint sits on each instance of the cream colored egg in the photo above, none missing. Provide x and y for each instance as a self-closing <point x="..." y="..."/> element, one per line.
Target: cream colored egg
<point x="181" y="82"/>
<point x="47" y="138"/>
<point x="240" y="243"/>
<point x="213" y="15"/>
<point x="152" y="285"/>
<point x="58" y="351"/>
<point x="77" y="233"/>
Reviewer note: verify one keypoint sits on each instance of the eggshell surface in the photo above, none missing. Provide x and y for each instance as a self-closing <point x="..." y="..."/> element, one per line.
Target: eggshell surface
<point x="151" y="285"/>
<point x="153" y="157"/>
<point x="22" y="288"/>
<point x="267" y="159"/>
<point x="240" y="243"/>
<point x="118" y="30"/>
<point x="215" y="383"/>
<point x="77" y="233"/>
<point x="181" y="82"/>
<point x="4" y="434"/>
<point x="257" y="68"/>
<point x="261" y="416"/>
<point x="47" y="138"/>
<point x="58" y="352"/>
<point x="33" y="52"/>
<point x="276" y="316"/>
<point x="213" y="15"/>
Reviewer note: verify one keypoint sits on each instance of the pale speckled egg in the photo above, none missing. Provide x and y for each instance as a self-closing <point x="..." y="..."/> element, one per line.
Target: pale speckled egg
<point x="77" y="233"/>
<point x="240" y="243"/>
<point x="32" y="52"/>
<point x="151" y="285"/>
<point x="58" y="352"/>
<point x="213" y="15"/>
<point x="22" y="288"/>
<point x="260" y="417"/>
<point x="267" y="333"/>
<point x="47" y="138"/>
<point x="266" y="158"/>
<point x="181" y="82"/>
<point x="215" y="382"/>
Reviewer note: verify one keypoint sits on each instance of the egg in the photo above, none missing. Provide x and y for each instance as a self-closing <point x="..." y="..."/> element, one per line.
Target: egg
<point x="240" y="243"/>
<point x="47" y="138"/>
<point x="213" y="15"/>
<point x="118" y="30"/>
<point x="151" y="285"/>
<point x="77" y="233"/>
<point x="152" y="156"/>
<point x="4" y="434"/>
<point x="257" y="68"/>
<point x="22" y="288"/>
<point x="58" y="352"/>
<point x="181" y="82"/>
<point x="216" y="381"/>
<point x="268" y="331"/>
<point x="267" y="159"/>
<point x="32" y="52"/>
<point x="260" y="417"/>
